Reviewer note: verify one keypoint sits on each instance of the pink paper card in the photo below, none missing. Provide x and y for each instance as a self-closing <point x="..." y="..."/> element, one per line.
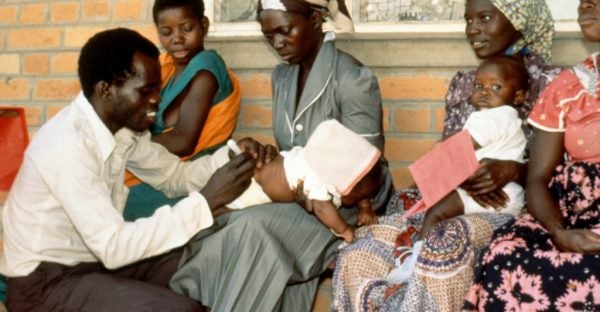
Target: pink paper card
<point x="445" y="167"/>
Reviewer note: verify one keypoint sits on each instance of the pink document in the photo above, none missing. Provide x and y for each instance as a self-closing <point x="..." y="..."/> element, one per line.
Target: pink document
<point x="444" y="168"/>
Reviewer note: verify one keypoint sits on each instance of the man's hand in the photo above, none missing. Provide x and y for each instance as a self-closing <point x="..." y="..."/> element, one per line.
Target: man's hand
<point x="262" y="154"/>
<point x="229" y="181"/>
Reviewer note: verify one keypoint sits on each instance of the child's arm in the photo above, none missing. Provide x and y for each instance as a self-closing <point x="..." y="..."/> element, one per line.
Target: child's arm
<point x="366" y="215"/>
<point x="196" y="101"/>
<point x="328" y="214"/>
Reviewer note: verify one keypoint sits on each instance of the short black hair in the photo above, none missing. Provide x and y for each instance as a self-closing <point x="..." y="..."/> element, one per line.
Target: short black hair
<point x="512" y="68"/>
<point x="196" y="6"/>
<point x="108" y="56"/>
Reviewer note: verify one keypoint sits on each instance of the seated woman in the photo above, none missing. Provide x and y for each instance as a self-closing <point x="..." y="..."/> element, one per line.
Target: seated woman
<point x="200" y="96"/>
<point x="286" y="249"/>
<point x="444" y="268"/>
<point x="547" y="260"/>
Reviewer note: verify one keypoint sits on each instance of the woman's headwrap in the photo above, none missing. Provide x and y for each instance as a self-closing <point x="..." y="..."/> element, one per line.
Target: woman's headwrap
<point x="532" y="18"/>
<point x="338" y="17"/>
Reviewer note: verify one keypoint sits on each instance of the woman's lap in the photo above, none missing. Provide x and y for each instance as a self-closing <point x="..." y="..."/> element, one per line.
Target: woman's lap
<point x="249" y="257"/>
<point x="444" y="268"/>
<point x="522" y="268"/>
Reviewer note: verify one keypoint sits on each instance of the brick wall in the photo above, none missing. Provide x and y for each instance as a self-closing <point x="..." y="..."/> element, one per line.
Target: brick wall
<point x="40" y="40"/>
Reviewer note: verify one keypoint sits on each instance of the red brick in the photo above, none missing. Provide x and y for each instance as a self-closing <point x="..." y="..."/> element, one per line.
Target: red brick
<point x="96" y="10"/>
<point x="412" y="119"/>
<point x="430" y="88"/>
<point x="8" y="15"/>
<point x="56" y="89"/>
<point x="148" y="31"/>
<point x="128" y="10"/>
<point x="35" y="64"/>
<point x="33" y="38"/>
<point x="14" y="89"/>
<point x="440" y="114"/>
<point x="53" y="109"/>
<point x="402" y="177"/>
<point x="33" y="115"/>
<point x="400" y="149"/>
<point x="10" y="64"/>
<point x="76" y="37"/>
<point x="34" y="13"/>
<point x="260" y="136"/>
<point x="256" y="86"/>
<point x="386" y="119"/>
<point x="64" y="62"/>
<point x="64" y="12"/>
<point x="255" y="116"/>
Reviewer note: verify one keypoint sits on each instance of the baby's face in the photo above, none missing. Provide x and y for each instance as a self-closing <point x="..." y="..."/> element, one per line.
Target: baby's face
<point x="358" y="193"/>
<point x="491" y="89"/>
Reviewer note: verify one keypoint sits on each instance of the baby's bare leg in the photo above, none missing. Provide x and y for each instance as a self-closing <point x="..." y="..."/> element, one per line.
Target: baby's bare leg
<point x="450" y="206"/>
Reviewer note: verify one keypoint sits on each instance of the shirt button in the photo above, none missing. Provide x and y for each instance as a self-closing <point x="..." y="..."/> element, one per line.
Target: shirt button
<point x="299" y="127"/>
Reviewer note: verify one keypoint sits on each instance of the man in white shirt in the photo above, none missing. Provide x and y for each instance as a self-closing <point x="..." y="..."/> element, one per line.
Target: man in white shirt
<point x="66" y="244"/>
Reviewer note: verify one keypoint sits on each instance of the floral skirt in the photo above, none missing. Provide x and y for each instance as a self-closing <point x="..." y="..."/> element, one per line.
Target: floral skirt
<point x="444" y="268"/>
<point x="523" y="271"/>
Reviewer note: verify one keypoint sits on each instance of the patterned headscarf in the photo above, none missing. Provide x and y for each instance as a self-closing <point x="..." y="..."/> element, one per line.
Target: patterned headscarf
<point x="338" y="21"/>
<point x="532" y="18"/>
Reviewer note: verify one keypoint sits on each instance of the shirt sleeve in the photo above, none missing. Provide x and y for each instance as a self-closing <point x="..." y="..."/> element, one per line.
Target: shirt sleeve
<point x="155" y="165"/>
<point x="360" y="104"/>
<point x="79" y="184"/>
<point x="548" y="112"/>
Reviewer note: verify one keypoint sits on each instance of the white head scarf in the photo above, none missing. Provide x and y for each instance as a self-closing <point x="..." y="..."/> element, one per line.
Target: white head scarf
<point x="338" y="21"/>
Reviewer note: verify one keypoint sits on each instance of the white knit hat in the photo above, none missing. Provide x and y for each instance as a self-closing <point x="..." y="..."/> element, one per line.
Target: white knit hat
<point x="338" y="156"/>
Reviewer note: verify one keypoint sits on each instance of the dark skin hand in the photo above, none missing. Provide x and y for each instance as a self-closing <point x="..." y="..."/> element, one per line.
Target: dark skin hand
<point x="485" y="185"/>
<point x="262" y="154"/>
<point x="229" y="181"/>
<point x="547" y="151"/>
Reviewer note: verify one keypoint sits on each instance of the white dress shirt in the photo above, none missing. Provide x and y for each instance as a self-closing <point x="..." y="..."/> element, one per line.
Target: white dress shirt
<point x="66" y="203"/>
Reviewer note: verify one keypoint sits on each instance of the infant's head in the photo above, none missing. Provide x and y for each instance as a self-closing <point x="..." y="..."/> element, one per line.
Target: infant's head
<point x="365" y="188"/>
<point x="499" y="80"/>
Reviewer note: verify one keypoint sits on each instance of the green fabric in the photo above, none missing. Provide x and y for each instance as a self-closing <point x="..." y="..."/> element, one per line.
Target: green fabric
<point x="207" y="60"/>
<point x="2" y="289"/>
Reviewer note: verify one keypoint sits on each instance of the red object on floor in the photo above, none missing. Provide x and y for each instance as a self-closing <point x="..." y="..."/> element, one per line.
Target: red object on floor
<point x="13" y="141"/>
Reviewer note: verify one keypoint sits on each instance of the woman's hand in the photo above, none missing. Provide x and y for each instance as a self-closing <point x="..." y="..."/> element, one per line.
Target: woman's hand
<point x="486" y="184"/>
<point x="577" y="240"/>
<point x="496" y="199"/>
<point x="229" y="181"/>
<point x="262" y="154"/>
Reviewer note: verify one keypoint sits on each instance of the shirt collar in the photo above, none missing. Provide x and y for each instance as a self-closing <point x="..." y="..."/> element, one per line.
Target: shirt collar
<point x="105" y="139"/>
